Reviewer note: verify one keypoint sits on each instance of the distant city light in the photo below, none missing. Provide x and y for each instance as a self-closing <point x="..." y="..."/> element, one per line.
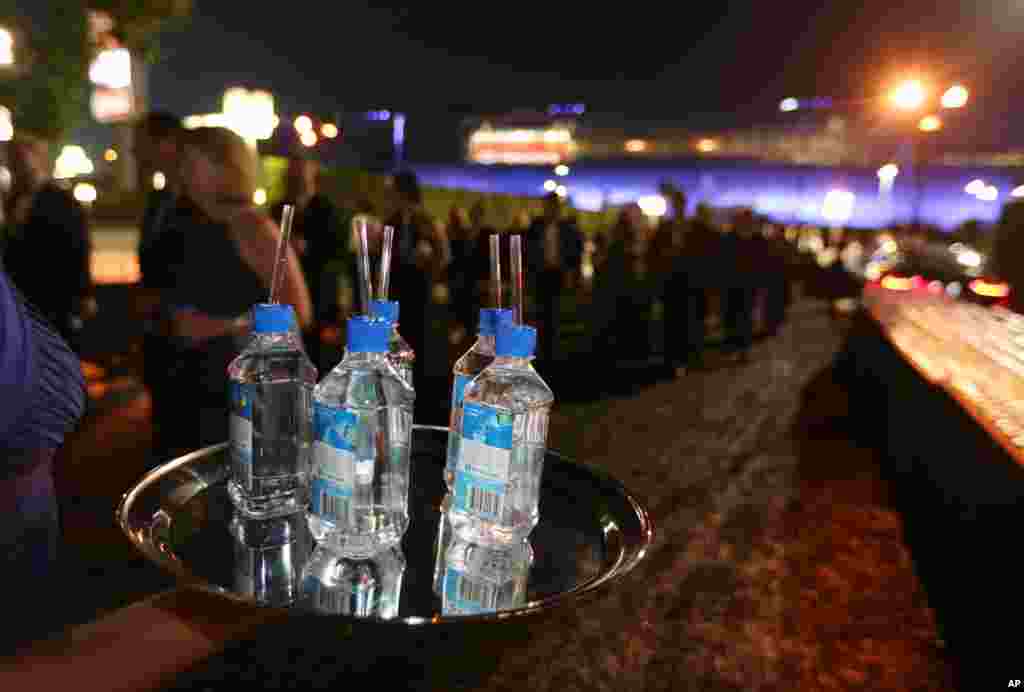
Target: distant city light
<point x="653" y="205"/>
<point x="975" y="187"/>
<point x="930" y="123"/>
<point x="110" y="155"/>
<point x="112" y="69"/>
<point x="329" y="130"/>
<point x="72" y="162"/>
<point x="303" y="124"/>
<point x="838" y="206"/>
<point x="550" y="185"/>
<point x="84" y="193"/>
<point x="955" y="97"/>
<point x="888" y="172"/>
<point x="989" y="194"/>
<point x="249" y="113"/>
<point x="6" y="48"/>
<point x="308" y="138"/>
<point x="6" y="125"/>
<point x="707" y="145"/>
<point x="378" y="115"/>
<point x="1018" y="191"/>
<point x="562" y="191"/>
<point x="908" y="96"/>
<point x="788" y="105"/>
<point x="561" y="170"/>
<point x="259" y="197"/>
<point x="159" y="181"/>
<point x="636" y="146"/>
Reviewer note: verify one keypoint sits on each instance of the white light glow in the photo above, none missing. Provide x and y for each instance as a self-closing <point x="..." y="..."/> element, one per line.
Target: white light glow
<point x="653" y="205"/>
<point x="1018" y="191"/>
<point x="159" y="181"/>
<point x="250" y="114"/>
<point x="562" y="191"/>
<point x="888" y="172"/>
<point x="112" y="69"/>
<point x="259" y="197"/>
<point x="72" y="162"/>
<point x="6" y="48"/>
<point x="84" y="193"/>
<point x="989" y="194"/>
<point x="329" y="130"/>
<point x="838" y="206"/>
<point x="975" y="187"/>
<point x="955" y="97"/>
<point x="788" y="105"/>
<point x="308" y="138"/>
<point x="303" y="124"/>
<point x="550" y="185"/>
<point x="969" y="258"/>
<point x="909" y="95"/>
<point x="6" y="125"/>
<point x="561" y="170"/>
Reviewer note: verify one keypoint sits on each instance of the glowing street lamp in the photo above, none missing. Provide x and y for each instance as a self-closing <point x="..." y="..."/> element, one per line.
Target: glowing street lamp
<point x="908" y="96"/>
<point x="930" y="123"/>
<point x="955" y="97"/>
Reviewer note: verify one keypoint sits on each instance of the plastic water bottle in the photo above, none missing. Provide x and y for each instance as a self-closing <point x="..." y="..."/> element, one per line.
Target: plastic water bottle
<point x="269" y="557"/>
<point x="484" y="578"/>
<point x="271" y="385"/>
<point x="400" y="353"/>
<point x="363" y="587"/>
<point x="471" y="364"/>
<point x="362" y="420"/>
<point x="504" y="436"/>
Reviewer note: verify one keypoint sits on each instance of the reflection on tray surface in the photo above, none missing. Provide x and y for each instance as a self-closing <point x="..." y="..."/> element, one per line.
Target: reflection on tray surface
<point x="362" y="587"/>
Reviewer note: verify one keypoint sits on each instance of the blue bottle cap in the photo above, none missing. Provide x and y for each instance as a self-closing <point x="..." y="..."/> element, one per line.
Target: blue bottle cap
<point x="490" y="318"/>
<point x="272" y="318"/>
<point x="515" y="340"/>
<point x="384" y="309"/>
<point x="368" y="335"/>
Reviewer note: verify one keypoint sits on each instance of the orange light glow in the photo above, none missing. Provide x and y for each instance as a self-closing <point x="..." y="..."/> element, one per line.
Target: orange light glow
<point x="990" y="290"/>
<point x="636" y="145"/>
<point x="707" y="145"/>
<point x="930" y="123"/>
<point x="908" y="96"/>
<point x="897" y="283"/>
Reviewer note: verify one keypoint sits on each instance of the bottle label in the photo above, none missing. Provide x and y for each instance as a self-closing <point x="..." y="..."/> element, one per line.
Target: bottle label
<point x="459" y="390"/>
<point x="241" y="432"/>
<point x="466" y="596"/>
<point x="334" y="461"/>
<point x="481" y="475"/>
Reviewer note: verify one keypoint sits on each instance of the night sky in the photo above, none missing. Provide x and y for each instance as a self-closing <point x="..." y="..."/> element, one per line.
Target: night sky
<point x="723" y="64"/>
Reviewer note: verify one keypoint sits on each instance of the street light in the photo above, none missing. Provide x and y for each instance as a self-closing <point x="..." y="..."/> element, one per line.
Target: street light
<point x="955" y="97"/>
<point x="908" y="96"/>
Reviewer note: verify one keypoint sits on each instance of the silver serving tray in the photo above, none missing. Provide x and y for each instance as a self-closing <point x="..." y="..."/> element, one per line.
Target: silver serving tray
<point x="592" y="532"/>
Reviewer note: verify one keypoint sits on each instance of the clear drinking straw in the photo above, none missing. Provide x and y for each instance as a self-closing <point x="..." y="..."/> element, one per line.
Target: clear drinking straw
<point x="516" y="245"/>
<point x="496" y="268"/>
<point x="385" y="263"/>
<point x="282" y="253"/>
<point x="365" y="283"/>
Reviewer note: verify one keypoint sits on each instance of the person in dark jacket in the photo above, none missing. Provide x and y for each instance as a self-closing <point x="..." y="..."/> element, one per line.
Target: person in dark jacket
<point x="48" y="248"/>
<point x="554" y="252"/>
<point x="44" y="398"/>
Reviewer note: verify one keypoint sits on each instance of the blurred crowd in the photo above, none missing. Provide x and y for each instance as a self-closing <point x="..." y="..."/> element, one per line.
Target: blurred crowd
<point x="665" y="291"/>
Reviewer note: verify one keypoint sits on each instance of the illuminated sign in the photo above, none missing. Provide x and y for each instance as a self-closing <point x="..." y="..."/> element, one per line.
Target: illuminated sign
<point x="522" y="146"/>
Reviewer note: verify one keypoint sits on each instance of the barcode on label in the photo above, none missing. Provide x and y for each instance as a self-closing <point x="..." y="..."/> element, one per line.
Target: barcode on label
<point x="333" y="507"/>
<point x="483" y="501"/>
<point x="480" y="593"/>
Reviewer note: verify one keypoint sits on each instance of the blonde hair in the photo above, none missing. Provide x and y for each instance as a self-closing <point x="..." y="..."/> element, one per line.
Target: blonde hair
<point x="232" y="154"/>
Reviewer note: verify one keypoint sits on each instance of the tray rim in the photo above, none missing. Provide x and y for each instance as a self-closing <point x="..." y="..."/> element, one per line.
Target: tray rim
<point x="582" y="592"/>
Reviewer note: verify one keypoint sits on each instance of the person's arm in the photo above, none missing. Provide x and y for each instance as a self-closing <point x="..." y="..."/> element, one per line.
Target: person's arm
<point x="257" y="238"/>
